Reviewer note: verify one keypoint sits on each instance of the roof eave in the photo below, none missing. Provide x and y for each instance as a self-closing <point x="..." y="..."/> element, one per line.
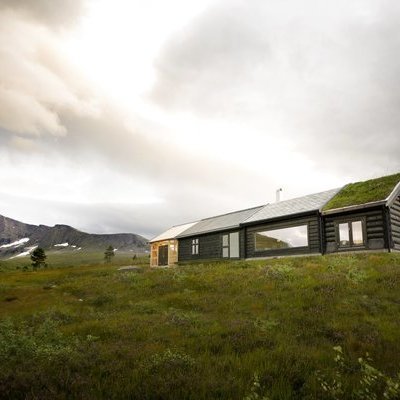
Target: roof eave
<point x="160" y="240"/>
<point x="355" y="207"/>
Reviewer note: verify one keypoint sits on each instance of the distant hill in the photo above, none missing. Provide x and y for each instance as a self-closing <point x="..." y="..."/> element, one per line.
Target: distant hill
<point x="18" y="239"/>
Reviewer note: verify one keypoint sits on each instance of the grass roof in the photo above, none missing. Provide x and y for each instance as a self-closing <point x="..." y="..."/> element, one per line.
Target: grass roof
<point x="364" y="192"/>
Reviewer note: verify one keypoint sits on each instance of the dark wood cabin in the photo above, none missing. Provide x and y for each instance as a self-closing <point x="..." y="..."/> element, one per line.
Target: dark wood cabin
<point x="394" y="214"/>
<point x="369" y="225"/>
<point x="291" y="227"/>
<point x="219" y="237"/>
<point x="360" y="216"/>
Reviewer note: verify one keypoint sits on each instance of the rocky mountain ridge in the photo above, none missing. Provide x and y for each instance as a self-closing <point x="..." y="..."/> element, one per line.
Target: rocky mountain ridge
<point x="18" y="238"/>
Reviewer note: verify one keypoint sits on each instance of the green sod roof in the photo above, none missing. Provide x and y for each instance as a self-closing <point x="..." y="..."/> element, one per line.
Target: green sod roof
<point x="364" y="192"/>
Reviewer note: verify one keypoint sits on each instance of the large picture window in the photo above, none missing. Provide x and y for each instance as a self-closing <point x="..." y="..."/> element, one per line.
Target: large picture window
<point x="296" y="236"/>
<point x="195" y="247"/>
<point x="350" y="233"/>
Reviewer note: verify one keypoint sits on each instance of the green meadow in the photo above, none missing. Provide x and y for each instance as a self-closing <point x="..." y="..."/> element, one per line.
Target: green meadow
<point x="266" y="329"/>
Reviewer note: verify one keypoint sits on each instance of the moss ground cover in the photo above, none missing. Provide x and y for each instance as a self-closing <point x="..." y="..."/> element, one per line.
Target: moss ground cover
<point x="364" y="192"/>
<point x="89" y="331"/>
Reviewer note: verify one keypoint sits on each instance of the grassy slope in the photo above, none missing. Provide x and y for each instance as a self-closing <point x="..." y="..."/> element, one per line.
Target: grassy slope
<point x="65" y="258"/>
<point x="364" y="192"/>
<point x="196" y="331"/>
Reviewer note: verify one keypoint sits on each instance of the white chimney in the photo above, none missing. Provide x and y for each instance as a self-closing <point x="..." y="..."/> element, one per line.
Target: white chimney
<point x="278" y="195"/>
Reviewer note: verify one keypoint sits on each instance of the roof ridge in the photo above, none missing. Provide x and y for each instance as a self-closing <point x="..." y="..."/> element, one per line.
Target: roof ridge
<point x="232" y="212"/>
<point x="302" y="197"/>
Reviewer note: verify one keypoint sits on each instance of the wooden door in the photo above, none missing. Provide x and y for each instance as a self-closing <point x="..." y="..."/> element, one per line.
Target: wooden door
<point x="163" y="255"/>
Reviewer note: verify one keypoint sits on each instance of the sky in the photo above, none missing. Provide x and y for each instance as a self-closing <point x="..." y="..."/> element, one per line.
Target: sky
<point x="132" y="116"/>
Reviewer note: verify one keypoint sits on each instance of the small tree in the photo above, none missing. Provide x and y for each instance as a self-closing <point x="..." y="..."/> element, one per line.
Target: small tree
<point x="38" y="258"/>
<point x="109" y="254"/>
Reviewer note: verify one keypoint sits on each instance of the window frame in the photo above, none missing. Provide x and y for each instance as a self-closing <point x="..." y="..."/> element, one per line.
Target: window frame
<point x="195" y="246"/>
<point x="349" y="222"/>
<point x="279" y="227"/>
<point x="228" y="246"/>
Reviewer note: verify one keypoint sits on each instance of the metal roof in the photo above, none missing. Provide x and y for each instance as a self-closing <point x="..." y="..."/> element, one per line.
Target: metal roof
<point x="311" y="202"/>
<point x="173" y="232"/>
<point x="220" y="222"/>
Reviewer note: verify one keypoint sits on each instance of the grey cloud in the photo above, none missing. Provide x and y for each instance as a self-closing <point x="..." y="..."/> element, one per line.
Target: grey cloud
<point x="36" y="81"/>
<point x="189" y="186"/>
<point x="323" y="75"/>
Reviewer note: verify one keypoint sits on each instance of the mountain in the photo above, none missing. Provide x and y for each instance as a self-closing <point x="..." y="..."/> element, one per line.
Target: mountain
<point x="18" y="238"/>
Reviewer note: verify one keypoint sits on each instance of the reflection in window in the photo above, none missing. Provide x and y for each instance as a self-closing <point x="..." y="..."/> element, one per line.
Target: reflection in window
<point x="230" y="245"/>
<point x="351" y="233"/>
<point x="296" y="236"/>
<point x="344" y="236"/>
<point x="356" y="228"/>
<point x="234" y="245"/>
<point x="225" y="246"/>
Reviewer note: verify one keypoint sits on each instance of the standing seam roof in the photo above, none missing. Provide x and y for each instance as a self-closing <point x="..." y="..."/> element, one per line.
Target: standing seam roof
<point x="172" y="233"/>
<point x="220" y="222"/>
<point x="298" y="205"/>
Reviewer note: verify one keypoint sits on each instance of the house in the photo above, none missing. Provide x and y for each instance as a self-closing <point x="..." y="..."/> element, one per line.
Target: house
<point x="359" y="216"/>
<point x="164" y="247"/>
<point x="364" y="216"/>
<point x="287" y="227"/>
<point x="216" y="237"/>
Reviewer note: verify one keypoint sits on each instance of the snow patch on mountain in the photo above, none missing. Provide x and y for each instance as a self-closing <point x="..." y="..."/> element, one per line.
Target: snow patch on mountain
<point x="27" y="252"/>
<point x="15" y="244"/>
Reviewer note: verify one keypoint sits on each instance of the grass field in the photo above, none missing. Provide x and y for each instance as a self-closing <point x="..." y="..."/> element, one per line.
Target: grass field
<point x="84" y="330"/>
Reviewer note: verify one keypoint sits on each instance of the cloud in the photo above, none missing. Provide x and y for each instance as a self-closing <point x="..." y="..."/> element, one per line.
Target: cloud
<point x="316" y="73"/>
<point x="248" y="97"/>
<point x="36" y="80"/>
<point x="55" y="13"/>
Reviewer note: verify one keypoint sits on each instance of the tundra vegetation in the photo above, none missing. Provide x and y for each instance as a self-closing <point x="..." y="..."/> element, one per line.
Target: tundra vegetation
<point x="324" y="327"/>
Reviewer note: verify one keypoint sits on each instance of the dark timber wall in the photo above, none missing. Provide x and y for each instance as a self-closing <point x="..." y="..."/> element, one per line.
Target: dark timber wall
<point x="314" y="242"/>
<point x="210" y="246"/>
<point x="375" y="229"/>
<point x="395" y="223"/>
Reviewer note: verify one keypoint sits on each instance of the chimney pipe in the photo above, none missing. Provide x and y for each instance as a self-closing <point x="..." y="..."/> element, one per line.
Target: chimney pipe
<point x="278" y="195"/>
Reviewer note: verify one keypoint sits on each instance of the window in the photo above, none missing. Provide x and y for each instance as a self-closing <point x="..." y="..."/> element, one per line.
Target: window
<point x="296" y="236"/>
<point x="351" y="233"/>
<point x="225" y="246"/>
<point x="344" y="234"/>
<point x="195" y="246"/>
<point x="230" y="245"/>
<point x="234" y="245"/>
